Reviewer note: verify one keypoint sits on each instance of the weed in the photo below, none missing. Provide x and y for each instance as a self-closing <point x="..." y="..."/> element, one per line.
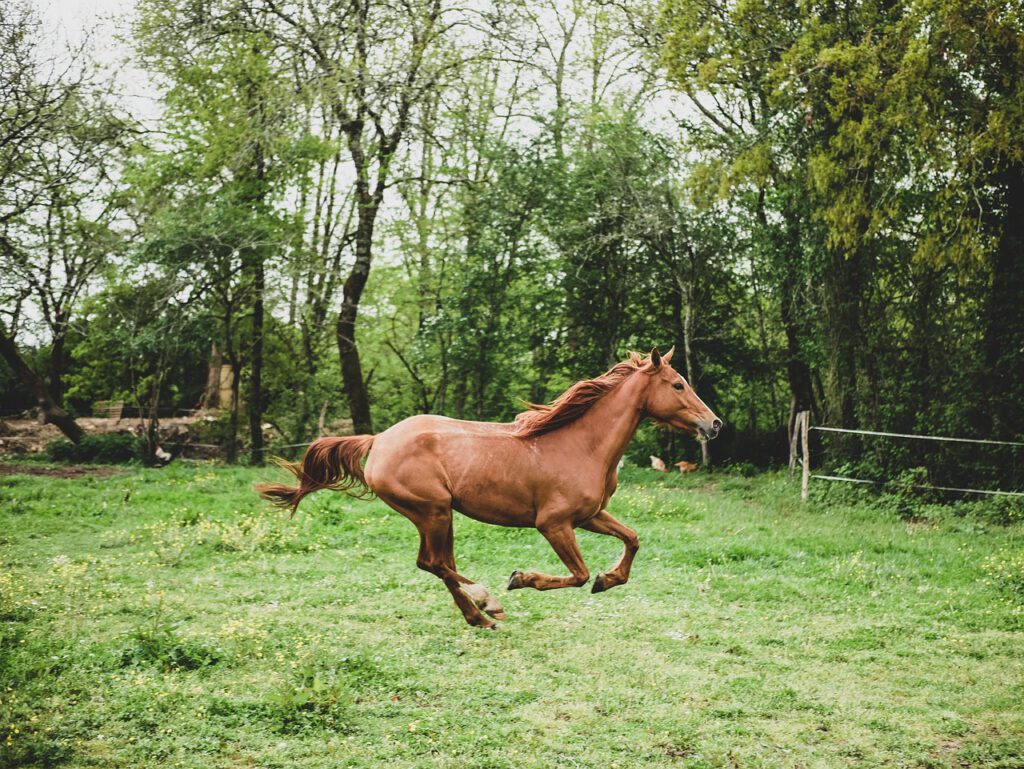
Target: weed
<point x="105" y="448"/>
<point x="1006" y="569"/>
<point x="312" y="697"/>
<point x="158" y="641"/>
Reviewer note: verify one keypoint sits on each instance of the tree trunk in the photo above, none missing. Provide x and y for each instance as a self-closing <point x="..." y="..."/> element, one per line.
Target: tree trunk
<point x="797" y="371"/>
<point x="236" y="376"/>
<point x="211" y="394"/>
<point x="152" y="424"/>
<point x="692" y="374"/>
<point x="57" y="366"/>
<point x="52" y="413"/>
<point x="843" y="334"/>
<point x="1004" y="316"/>
<point x="255" y="405"/>
<point x="348" y="349"/>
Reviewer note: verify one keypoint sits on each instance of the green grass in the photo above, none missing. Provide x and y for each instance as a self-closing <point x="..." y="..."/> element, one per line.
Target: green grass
<point x="164" y="618"/>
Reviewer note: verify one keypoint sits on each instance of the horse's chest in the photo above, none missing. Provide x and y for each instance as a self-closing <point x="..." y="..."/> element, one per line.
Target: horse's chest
<point x="592" y="495"/>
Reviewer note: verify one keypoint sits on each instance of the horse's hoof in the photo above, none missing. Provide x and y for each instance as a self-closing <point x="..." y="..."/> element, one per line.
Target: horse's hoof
<point x="498" y="614"/>
<point x="598" y="584"/>
<point x="515" y="581"/>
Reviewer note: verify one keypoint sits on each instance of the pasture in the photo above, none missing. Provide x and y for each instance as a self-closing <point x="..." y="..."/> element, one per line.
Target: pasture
<point x="168" y="618"/>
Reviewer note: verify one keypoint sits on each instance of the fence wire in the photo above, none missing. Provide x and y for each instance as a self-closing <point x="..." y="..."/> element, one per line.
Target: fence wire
<point x="956" y="466"/>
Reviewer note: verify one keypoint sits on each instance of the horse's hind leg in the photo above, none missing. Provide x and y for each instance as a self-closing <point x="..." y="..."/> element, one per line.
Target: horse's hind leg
<point x="436" y="555"/>
<point x="562" y="539"/>
<point x="479" y="594"/>
<point x="603" y="523"/>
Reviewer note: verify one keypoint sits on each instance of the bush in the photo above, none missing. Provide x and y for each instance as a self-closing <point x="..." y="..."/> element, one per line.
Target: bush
<point x="744" y="469"/>
<point x="1005" y="511"/>
<point x="107" y="448"/>
<point x="162" y="646"/>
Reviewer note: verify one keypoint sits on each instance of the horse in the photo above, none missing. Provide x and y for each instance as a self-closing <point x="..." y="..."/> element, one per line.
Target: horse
<point x="554" y="469"/>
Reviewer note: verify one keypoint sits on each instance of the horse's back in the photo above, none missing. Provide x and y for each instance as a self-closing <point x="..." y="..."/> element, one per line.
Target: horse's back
<point x="448" y="426"/>
<point x="427" y="436"/>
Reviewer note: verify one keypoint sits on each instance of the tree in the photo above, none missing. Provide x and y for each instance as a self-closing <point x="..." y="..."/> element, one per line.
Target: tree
<point x="147" y="332"/>
<point x="729" y="64"/>
<point x="59" y="144"/>
<point x="234" y="111"/>
<point x="375" y="62"/>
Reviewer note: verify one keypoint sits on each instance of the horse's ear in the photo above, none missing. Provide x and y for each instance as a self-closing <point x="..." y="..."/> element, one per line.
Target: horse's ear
<point x="667" y="357"/>
<point x="655" y="358"/>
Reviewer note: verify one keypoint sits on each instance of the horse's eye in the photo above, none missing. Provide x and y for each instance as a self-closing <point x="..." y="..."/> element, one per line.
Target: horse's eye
<point x="678" y="385"/>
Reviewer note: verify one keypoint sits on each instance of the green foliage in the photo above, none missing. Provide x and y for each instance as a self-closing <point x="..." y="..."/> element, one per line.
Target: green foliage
<point x="1006" y="569"/>
<point x="824" y="214"/>
<point x="852" y="140"/>
<point x="144" y="341"/>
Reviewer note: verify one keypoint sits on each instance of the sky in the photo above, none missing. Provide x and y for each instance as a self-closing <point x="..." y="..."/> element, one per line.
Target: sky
<point x="71" y="19"/>
<point x="101" y="21"/>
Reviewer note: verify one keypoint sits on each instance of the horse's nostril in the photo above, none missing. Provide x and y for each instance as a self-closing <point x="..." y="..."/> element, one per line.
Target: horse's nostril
<point x="717" y="424"/>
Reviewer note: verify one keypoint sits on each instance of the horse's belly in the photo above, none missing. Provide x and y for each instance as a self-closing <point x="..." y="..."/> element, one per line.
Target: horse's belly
<point x="502" y="506"/>
<point x="521" y="519"/>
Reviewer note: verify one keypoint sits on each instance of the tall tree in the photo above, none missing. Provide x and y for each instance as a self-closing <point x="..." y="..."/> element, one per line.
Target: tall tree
<point x="728" y="63"/>
<point x="237" y="126"/>
<point x="376" y="62"/>
<point x="59" y="145"/>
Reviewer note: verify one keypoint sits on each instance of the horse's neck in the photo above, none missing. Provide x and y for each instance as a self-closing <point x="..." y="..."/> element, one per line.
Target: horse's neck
<point x="608" y="426"/>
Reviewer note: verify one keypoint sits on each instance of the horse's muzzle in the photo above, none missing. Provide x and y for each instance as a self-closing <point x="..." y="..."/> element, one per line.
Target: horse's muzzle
<point x="710" y="432"/>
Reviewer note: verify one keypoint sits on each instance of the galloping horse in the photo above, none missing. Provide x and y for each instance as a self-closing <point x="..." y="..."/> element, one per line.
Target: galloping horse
<point x="553" y="468"/>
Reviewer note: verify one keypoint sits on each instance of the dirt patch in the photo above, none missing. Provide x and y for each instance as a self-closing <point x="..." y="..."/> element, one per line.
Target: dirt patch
<point x="66" y="471"/>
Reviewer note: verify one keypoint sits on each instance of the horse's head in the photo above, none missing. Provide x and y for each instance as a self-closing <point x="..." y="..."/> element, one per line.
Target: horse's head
<point x="670" y="399"/>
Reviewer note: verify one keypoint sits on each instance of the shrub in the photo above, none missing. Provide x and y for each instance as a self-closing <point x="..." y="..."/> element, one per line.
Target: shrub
<point x="1005" y="511"/>
<point x="165" y="648"/>
<point x="106" y="448"/>
<point x="743" y="469"/>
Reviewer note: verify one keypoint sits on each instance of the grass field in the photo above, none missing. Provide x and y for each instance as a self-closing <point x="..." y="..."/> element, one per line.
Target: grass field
<point x="166" y="618"/>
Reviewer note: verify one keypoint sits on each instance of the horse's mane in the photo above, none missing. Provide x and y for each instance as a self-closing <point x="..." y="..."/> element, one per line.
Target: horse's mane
<point x="574" y="402"/>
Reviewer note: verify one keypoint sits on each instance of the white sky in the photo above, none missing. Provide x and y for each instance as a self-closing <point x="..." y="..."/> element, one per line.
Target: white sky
<point x="104" y="24"/>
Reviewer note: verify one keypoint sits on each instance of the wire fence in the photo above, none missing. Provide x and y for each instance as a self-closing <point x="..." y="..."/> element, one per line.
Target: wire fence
<point x="904" y="461"/>
<point x="221" y="448"/>
<point x="821" y="428"/>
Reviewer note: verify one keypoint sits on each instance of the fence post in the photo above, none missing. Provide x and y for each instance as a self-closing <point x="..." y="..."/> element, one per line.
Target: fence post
<point x="794" y="435"/>
<point x="805" y="430"/>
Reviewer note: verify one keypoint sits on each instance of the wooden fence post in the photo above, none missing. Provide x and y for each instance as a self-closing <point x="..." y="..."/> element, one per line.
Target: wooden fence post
<point x="794" y="436"/>
<point x="805" y="430"/>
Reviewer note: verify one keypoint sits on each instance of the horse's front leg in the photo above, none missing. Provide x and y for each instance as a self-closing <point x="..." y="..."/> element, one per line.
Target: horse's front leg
<point x="603" y="523"/>
<point x="563" y="541"/>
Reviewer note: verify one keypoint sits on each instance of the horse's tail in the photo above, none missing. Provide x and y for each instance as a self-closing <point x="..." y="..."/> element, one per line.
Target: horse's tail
<point x="329" y="463"/>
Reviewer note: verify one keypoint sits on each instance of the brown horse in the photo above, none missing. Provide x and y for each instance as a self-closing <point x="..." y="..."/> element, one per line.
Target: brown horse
<point x="554" y="469"/>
